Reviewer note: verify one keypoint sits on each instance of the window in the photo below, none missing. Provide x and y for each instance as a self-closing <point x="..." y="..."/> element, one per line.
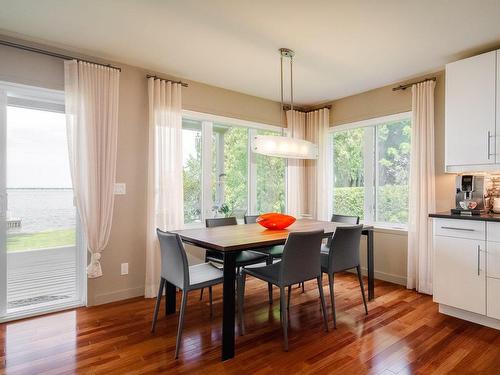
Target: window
<point x="191" y="159"/>
<point x="371" y="165"/>
<point x="222" y="177"/>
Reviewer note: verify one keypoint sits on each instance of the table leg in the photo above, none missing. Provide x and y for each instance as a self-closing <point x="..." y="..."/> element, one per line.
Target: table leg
<point x="170" y="298"/>
<point x="228" y="308"/>
<point x="370" y="265"/>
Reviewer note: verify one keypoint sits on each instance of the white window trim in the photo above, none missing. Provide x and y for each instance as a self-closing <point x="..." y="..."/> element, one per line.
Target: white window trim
<point x="370" y="122"/>
<point x="200" y="116"/>
<point x="37" y="98"/>
<point x="369" y="198"/>
<point x="207" y="122"/>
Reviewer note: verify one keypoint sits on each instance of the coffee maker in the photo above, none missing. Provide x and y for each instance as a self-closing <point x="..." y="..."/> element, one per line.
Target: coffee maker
<point x="469" y="195"/>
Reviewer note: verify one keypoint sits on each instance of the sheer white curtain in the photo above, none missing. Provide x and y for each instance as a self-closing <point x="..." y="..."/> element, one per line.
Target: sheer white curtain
<point x="422" y="188"/>
<point x="295" y="170"/>
<point x="318" y="174"/>
<point x="91" y="93"/>
<point x="165" y="191"/>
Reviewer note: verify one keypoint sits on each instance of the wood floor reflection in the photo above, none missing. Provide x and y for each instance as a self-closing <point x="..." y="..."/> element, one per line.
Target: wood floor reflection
<point x="403" y="333"/>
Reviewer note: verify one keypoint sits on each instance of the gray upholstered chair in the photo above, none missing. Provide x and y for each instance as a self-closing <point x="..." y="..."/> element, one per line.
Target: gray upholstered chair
<point x="175" y="270"/>
<point x="300" y="262"/>
<point x="343" y="255"/>
<point x="344" y="219"/>
<point x="243" y="258"/>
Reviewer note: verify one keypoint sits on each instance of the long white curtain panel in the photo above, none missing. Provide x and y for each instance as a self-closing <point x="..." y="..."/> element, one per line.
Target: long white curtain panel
<point x="422" y="189"/>
<point x="165" y="203"/>
<point x="91" y="93"/>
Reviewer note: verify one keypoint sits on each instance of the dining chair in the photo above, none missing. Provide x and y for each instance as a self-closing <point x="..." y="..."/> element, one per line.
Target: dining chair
<point x="300" y="262"/>
<point x="344" y="219"/>
<point x="343" y="255"/>
<point x="175" y="270"/>
<point x="243" y="258"/>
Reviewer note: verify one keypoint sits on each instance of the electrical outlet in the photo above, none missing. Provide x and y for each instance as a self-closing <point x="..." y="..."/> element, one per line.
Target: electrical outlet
<point x="124" y="269"/>
<point x="120" y="188"/>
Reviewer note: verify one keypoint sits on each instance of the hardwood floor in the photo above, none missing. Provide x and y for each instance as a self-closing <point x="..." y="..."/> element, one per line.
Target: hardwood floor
<point x="403" y="333"/>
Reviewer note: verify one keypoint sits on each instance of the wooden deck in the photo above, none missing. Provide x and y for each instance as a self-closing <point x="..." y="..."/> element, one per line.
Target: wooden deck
<point x="403" y="334"/>
<point x="41" y="277"/>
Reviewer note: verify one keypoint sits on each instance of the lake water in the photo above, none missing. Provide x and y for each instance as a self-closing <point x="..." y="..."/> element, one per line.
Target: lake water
<point x="41" y="209"/>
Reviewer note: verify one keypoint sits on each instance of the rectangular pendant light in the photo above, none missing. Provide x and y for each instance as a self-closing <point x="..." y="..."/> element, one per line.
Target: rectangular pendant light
<point x="284" y="147"/>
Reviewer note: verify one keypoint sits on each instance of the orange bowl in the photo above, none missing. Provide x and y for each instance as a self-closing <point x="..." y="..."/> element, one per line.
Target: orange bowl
<point x="275" y="220"/>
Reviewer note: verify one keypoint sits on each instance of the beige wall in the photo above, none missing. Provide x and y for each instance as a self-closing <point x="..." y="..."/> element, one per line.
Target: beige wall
<point x="391" y="246"/>
<point x="129" y="220"/>
<point x="128" y="233"/>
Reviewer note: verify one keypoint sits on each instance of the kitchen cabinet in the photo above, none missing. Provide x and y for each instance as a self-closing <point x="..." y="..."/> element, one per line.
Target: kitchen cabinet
<point x="467" y="268"/>
<point x="459" y="277"/>
<point x="471" y="116"/>
<point x="493" y="271"/>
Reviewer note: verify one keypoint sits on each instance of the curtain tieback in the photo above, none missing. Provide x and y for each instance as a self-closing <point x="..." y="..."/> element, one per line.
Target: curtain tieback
<point x="94" y="268"/>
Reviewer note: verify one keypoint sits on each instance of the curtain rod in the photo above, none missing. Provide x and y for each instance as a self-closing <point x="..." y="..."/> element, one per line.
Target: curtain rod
<point x="52" y="54"/>
<point x="404" y="87"/>
<point x="298" y="109"/>
<point x="183" y="84"/>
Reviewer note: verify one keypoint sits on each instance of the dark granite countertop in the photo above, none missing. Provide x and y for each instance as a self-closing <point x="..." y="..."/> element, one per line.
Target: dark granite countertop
<point x="483" y="217"/>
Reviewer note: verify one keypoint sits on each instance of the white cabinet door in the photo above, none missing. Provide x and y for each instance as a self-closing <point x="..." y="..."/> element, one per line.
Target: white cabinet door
<point x="493" y="263"/>
<point x="459" y="277"/>
<point x="470" y="110"/>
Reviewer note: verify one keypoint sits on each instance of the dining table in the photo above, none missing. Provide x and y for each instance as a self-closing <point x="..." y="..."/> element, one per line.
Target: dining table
<point x="230" y="240"/>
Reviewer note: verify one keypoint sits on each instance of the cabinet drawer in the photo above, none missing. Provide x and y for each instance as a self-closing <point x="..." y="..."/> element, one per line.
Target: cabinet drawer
<point x="458" y="228"/>
<point x="493" y="298"/>
<point x="493" y="231"/>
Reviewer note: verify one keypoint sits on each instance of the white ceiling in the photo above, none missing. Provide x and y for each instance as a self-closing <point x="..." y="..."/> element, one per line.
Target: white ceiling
<point x="342" y="47"/>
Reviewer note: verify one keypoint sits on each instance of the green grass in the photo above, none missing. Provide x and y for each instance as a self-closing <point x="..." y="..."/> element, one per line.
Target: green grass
<point x="40" y="240"/>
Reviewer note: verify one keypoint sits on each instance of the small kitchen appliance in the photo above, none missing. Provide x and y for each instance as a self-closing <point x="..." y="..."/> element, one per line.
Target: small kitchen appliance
<point x="469" y="195"/>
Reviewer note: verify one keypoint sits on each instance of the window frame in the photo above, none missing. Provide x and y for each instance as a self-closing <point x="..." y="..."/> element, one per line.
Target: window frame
<point x="207" y="123"/>
<point x="370" y="170"/>
<point x="48" y="100"/>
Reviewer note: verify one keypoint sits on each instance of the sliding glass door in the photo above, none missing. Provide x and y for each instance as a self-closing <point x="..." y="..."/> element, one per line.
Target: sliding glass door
<point x="40" y="248"/>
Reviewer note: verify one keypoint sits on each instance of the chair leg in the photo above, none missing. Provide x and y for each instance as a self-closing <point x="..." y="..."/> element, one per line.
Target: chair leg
<point x="289" y="294"/>
<point x="158" y="303"/>
<point x="269" y="261"/>
<point x="241" y="299"/>
<point x="322" y="301"/>
<point x="211" y="300"/>
<point x="181" y="323"/>
<point x="201" y="293"/>
<point x="332" y="299"/>
<point x="303" y="287"/>
<point x="284" y="318"/>
<point x="358" y="268"/>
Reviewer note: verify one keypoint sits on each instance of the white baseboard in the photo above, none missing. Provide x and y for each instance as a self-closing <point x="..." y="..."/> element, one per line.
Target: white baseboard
<point x="118" y="295"/>
<point x="470" y="316"/>
<point x="389" y="277"/>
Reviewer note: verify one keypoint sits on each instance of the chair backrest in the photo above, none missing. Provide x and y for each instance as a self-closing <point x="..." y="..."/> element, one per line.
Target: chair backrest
<point x="250" y="219"/>
<point x="174" y="264"/>
<point x="345" y="219"/>
<point x="220" y="222"/>
<point x="344" y="248"/>
<point x="301" y="257"/>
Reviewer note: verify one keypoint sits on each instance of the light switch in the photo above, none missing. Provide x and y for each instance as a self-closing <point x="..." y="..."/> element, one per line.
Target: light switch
<point x="120" y="188"/>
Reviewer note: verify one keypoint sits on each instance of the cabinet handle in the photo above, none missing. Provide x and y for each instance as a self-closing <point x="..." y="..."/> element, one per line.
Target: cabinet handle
<point x="463" y="229"/>
<point x="489" y="145"/>
<point x="478" y="259"/>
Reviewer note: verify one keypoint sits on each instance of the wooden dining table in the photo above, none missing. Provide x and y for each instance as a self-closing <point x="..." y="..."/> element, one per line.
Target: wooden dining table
<point x="230" y="240"/>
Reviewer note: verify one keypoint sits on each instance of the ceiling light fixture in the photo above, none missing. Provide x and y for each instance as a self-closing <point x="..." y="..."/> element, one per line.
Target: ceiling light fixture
<point x="279" y="146"/>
